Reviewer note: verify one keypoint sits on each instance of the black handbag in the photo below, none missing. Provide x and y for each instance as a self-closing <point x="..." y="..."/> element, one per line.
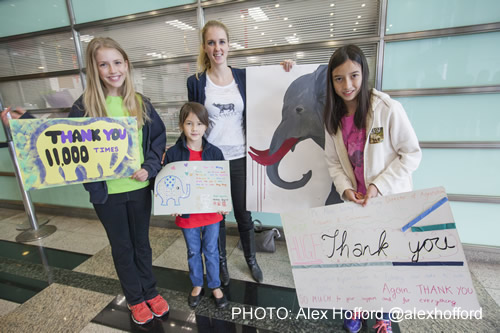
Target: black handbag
<point x="264" y="238"/>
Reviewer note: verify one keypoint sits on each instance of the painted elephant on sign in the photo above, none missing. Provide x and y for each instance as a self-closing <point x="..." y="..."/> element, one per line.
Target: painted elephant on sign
<point x="171" y="188"/>
<point x="302" y="119"/>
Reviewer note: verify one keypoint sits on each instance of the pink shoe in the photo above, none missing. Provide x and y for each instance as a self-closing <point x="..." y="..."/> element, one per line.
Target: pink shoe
<point x="383" y="326"/>
<point x="140" y="313"/>
<point x="158" y="305"/>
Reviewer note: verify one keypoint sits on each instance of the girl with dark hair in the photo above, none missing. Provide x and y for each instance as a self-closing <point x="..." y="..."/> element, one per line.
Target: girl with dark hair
<point x="201" y="231"/>
<point x="370" y="146"/>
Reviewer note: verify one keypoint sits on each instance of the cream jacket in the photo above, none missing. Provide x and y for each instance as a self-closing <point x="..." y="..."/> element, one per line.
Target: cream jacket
<point x="391" y="152"/>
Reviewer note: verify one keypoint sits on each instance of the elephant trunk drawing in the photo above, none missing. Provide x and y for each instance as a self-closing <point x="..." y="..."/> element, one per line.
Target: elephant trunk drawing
<point x="272" y="162"/>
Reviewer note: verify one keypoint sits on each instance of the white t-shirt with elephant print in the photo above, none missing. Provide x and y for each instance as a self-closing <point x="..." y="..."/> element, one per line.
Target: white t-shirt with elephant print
<point x="225" y="113"/>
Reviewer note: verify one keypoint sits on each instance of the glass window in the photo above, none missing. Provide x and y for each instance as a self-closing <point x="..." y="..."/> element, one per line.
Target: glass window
<point x="41" y="54"/>
<point x="459" y="61"/>
<point x="476" y="222"/>
<point x="460" y="171"/>
<point x="85" y="10"/>
<point x="23" y="16"/>
<point x="418" y="15"/>
<point x="474" y="117"/>
<point x="56" y="92"/>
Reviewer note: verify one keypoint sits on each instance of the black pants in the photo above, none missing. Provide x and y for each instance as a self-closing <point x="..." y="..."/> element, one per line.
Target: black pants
<point x="238" y="170"/>
<point x="125" y="216"/>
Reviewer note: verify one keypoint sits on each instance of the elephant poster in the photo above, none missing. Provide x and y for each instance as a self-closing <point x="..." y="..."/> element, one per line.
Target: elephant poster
<point x="191" y="187"/>
<point x="286" y="168"/>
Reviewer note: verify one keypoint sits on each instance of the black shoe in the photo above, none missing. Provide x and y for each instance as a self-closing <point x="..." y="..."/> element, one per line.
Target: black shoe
<point x="193" y="301"/>
<point x="256" y="271"/>
<point x="224" y="273"/>
<point x="248" y="244"/>
<point x="220" y="302"/>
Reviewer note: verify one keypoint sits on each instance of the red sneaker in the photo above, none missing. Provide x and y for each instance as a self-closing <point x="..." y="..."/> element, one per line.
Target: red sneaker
<point x="383" y="326"/>
<point x="158" y="305"/>
<point x="141" y="313"/>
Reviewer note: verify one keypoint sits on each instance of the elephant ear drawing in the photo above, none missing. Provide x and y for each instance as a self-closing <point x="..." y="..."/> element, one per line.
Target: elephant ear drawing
<point x="320" y="84"/>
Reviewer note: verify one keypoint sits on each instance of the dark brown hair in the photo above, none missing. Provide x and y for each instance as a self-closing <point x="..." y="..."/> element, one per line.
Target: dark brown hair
<point x="335" y="107"/>
<point x="193" y="107"/>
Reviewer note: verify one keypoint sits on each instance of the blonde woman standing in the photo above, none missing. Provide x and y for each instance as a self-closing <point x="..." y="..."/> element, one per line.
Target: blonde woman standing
<point x="222" y="90"/>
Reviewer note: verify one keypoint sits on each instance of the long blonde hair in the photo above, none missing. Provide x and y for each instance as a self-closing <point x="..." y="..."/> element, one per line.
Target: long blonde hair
<point x="94" y="96"/>
<point x="203" y="63"/>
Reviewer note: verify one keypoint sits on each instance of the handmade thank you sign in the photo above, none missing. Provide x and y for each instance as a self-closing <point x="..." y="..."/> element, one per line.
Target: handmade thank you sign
<point x="193" y="187"/>
<point x="400" y="251"/>
<point x="54" y="152"/>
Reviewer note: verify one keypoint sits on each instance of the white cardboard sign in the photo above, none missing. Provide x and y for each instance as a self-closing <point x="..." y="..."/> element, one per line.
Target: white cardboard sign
<point x="348" y="256"/>
<point x="191" y="187"/>
<point x="283" y="142"/>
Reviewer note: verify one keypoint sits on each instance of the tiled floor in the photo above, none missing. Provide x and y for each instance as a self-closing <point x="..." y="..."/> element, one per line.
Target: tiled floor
<point x="77" y="291"/>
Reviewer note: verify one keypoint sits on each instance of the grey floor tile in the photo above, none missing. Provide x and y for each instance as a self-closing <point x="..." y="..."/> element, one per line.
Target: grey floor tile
<point x="57" y="308"/>
<point x="6" y="307"/>
<point x="96" y="328"/>
<point x="8" y="231"/>
<point x="76" y="242"/>
<point x="92" y="227"/>
<point x="6" y="213"/>
<point x="276" y="272"/>
<point x="175" y="256"/>
<point x="8" y="227"/>
<point x="71" y="224"/>
<point x="21" y="218"/>
<point x="161" y="239"/>
<point x="281" y="253"/>
<point x="487" y="273"/>
<point x="495" y="294"/>
<point x="100" y="264"/>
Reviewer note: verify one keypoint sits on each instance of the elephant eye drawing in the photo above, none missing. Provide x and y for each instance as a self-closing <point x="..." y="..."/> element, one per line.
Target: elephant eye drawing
<point x="172" y="188"/>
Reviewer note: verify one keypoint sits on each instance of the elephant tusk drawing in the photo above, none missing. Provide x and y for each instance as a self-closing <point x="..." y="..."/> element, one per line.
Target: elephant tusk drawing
<point x="262" y="156"/>
<point x="272" y="161"/>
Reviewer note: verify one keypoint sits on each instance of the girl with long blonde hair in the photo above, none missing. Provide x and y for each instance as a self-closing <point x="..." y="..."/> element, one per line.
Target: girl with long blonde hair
<point x="124" y="205"/>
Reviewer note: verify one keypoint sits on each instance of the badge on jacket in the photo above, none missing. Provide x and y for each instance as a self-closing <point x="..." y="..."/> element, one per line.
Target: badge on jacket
<point x="377" y="135"/>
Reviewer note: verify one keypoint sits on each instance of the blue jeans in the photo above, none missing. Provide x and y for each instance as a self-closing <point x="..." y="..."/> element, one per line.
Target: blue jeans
<point x="198" y="240"/>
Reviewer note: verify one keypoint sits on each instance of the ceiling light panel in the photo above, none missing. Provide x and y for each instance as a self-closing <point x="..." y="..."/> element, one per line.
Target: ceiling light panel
<point x="161" y="37"/>
<point x="295" y="21"/>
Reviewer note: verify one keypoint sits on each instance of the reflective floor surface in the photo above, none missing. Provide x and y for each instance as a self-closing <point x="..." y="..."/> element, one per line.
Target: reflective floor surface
<point x="66" y="283"/>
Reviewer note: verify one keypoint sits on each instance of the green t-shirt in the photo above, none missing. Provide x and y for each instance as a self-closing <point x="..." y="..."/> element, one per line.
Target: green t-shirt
<point x="115" y="108"/>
